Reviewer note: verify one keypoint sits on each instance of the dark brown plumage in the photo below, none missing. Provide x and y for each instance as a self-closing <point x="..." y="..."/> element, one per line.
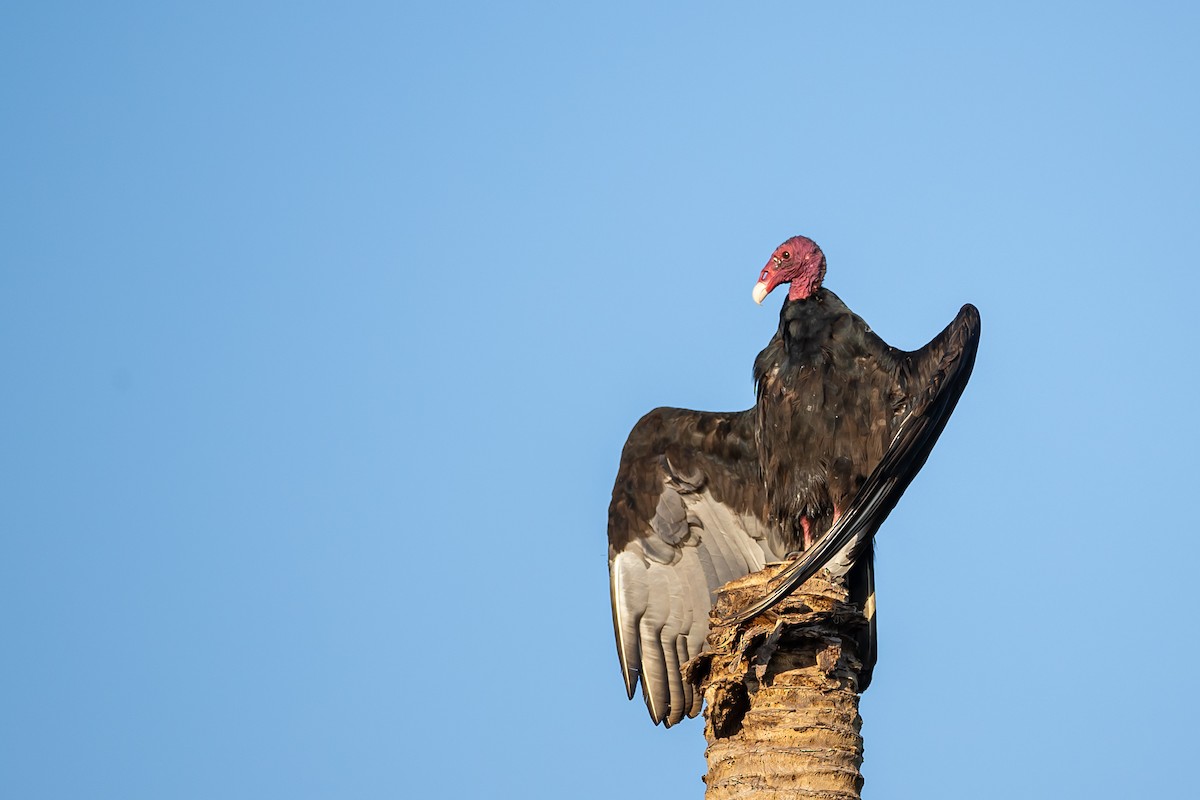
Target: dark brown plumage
<point x="841" y="425"/>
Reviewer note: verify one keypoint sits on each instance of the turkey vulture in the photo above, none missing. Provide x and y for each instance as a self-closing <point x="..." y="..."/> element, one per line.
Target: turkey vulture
<point x="841" y="424"/>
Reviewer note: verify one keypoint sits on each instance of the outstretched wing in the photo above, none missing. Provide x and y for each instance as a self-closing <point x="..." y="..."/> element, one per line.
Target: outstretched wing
<point x="688" y="514"/>
<point x="932" y="379"/>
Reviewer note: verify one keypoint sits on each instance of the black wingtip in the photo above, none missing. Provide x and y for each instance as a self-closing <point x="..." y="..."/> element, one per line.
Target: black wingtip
<point x="968" y="315"/>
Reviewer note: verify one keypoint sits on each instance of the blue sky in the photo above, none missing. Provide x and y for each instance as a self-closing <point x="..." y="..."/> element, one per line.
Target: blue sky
<point x="323" y="326"/>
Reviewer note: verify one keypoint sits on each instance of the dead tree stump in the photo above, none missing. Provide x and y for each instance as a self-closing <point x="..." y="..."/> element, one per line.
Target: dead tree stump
<point x="781" y="694"/>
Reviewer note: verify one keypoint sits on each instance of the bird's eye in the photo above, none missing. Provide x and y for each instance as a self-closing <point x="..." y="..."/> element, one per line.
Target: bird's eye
<point x="786" y="255"/>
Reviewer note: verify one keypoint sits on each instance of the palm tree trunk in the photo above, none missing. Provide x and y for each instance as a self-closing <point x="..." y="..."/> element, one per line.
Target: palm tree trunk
<point x="781" y="695"/>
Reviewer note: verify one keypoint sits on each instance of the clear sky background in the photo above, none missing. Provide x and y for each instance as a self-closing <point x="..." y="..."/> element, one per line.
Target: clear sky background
<point x="322" y="327"/>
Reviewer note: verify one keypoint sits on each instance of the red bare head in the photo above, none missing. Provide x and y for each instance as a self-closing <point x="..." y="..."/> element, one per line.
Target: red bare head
<point x="797" y="261"/>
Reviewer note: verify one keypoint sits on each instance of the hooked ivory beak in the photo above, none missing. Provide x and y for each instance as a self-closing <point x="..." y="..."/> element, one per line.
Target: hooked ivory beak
<point x="760" y="292"/>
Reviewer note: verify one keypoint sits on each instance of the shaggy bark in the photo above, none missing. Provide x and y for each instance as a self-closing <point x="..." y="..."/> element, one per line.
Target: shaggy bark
<point x="781" y="694"/>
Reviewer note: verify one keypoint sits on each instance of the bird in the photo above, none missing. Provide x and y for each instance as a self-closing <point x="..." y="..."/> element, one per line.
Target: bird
<point x="841" y="424"/>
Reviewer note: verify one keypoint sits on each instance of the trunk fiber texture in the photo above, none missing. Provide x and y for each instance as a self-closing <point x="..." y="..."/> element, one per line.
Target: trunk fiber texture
<point x="781" y="694"/>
